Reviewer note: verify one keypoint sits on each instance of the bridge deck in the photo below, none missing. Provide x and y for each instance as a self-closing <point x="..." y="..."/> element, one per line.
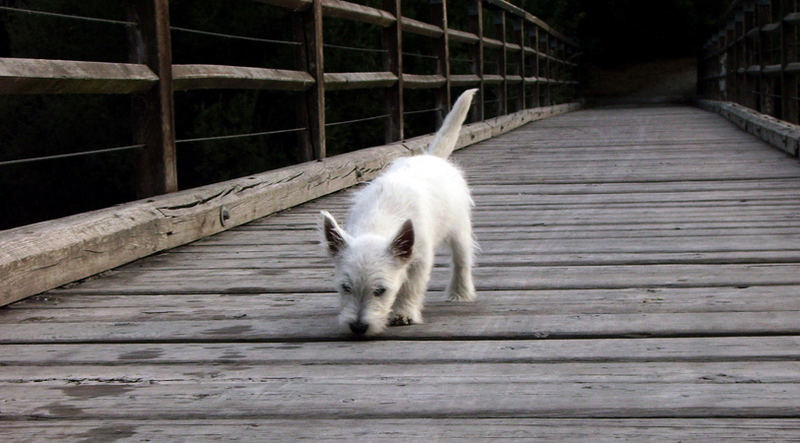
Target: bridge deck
<point x="639" y="278"/>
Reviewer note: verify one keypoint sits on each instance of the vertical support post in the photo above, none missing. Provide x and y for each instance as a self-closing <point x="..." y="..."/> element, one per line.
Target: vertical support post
<point x="763" y="14"/>
<point x="738" y="62"/>
<point x="547" y="72"/>
<point x="476" y="26"/>
<point x="749" y="99"/>
<point x="153" y="111"/>
<point x="519" y="31"/>
<point x="500" y="27"/>
<point x="789" y="55"/>
<point x="305" y="147"/>
<point x="315" y="65"/>
<point x="393" y="62"/>
<point x="537" y="88"/>
<point x="442" y="52"/>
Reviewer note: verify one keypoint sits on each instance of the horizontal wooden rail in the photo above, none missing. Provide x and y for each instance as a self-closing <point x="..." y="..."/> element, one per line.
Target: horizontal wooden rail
<point x="358" y="80"/>
<point x="236" y="77"/>
<point x="36" y="76"/>
<point x="420" y="28"/>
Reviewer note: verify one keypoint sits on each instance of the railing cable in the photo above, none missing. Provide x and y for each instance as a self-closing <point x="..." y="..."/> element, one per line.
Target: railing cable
<point x="377" y="117"/>
<point x="67" y="16"/>
<point x="420" y="111"/>
<point x="238" y="37"/>
<point x="353" y="48"/>
<point x="71" y="154"/>
<point x="234" y="136"/>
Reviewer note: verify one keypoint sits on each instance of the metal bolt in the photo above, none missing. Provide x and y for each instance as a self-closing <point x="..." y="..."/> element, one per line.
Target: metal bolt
<point x="224" y="215"/>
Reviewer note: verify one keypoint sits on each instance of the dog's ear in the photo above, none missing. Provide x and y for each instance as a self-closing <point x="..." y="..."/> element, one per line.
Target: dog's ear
<point x="403" y="244"/>
<point x="332" y="235"/>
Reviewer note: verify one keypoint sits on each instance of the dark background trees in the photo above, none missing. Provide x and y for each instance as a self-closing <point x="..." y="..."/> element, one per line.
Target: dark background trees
<point x="633" y="50"/>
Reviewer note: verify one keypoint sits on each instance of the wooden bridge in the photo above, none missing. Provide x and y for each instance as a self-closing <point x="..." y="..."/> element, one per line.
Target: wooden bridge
<point x="639" y="278"/>
<point x="639" y="273"/>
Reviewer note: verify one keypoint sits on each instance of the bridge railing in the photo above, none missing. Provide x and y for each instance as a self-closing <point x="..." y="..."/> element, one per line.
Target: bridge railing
<point x="753" y="59"/>
<point x="536" y="67"/>
<point x="529" y="68"/>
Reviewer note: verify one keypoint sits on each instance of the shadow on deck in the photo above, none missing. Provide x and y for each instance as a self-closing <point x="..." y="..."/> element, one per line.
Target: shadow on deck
<point x="639" y="278"/>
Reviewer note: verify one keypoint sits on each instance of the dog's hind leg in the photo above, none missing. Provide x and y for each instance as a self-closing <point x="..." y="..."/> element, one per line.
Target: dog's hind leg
<point x="407" y="307"/>
<point x="461" y="287"/>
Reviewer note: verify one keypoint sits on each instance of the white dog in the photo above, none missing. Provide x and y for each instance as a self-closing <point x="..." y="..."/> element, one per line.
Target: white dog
<point x="383" y="261"/>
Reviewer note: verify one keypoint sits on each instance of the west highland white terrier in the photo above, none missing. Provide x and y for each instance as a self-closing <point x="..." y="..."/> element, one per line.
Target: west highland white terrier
<point x="383" y="261"/>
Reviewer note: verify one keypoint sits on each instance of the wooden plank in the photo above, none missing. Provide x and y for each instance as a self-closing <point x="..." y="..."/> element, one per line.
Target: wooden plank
<point x="61" y="307"/>
<point x="154" y="111"/>
<point x="437" y="326"/>
<point x="421" y="398"/>
<point x="462" y="36"/>
<point x="420" y="28"/>
<point x="354" y="11"/>
<point x="465" y="80"/>
<point x="415" y="428"/>
<point x="36" y="76"/>
<point x="415" y="81"/>
<point x="186" y="77"/>
<point x="359" y="80"/>
<point x="48" y="254"/>
<point x="686" y="349"/>
<point x="720" y="373"/>
<point x="487" y="278"/>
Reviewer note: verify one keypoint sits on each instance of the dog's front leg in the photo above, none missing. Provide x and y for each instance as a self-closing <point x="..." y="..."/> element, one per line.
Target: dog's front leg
<point x="407" y="307"/>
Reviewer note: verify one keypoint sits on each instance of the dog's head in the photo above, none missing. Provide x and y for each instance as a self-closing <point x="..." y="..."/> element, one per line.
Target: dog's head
<point x="370" y="270"/>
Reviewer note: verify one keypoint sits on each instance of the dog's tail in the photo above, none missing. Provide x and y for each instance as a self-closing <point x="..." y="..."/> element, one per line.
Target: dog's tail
<point x="445" y="139"/>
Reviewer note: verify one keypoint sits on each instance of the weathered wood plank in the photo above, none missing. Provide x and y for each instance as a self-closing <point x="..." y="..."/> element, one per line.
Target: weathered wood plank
<point x="36" y="76"/>
<point x="598" y="430"/>
<point x="689" y="349"/>
<point x="187" y="77"/>
<point x="208" y="307"/>
<point x="376" y="375"/>
<point x="438" y="326"/>
<point x="358" y="80"/>
<point x="443" y="397"/>
<point x="509" y="278"/>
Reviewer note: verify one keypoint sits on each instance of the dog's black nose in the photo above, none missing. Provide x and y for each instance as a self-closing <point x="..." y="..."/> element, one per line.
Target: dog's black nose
<point x="358" y="328"/>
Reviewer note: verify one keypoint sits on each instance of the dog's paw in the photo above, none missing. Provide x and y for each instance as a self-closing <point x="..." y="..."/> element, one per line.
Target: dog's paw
<point x="463" y="295"/>
<point x="400" y="320"/>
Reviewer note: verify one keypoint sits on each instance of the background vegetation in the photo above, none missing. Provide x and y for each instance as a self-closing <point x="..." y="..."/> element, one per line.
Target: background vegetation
<point x="613" y="34"/>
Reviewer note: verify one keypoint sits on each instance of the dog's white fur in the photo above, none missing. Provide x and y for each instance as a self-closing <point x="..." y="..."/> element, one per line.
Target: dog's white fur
<point x="383" y="261"/>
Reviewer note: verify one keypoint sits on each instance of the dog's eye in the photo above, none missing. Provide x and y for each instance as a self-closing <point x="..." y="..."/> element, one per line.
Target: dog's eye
<point x="346" y="288"/>
<point x="378" y="291"/>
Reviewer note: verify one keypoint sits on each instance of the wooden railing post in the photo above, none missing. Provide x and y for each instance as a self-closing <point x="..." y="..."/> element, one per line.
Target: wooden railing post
<point x="476" y="27"/>
<point x="442" y="52"/>
<point x="153" y="111"/>
<point x="310" y="31"/>
<point x="537" y="88"/>
<point x="789" y="79"/>
<point x="502" y="62"/>
<point x="393" y="62"/>
<point x="519" y="31"/>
